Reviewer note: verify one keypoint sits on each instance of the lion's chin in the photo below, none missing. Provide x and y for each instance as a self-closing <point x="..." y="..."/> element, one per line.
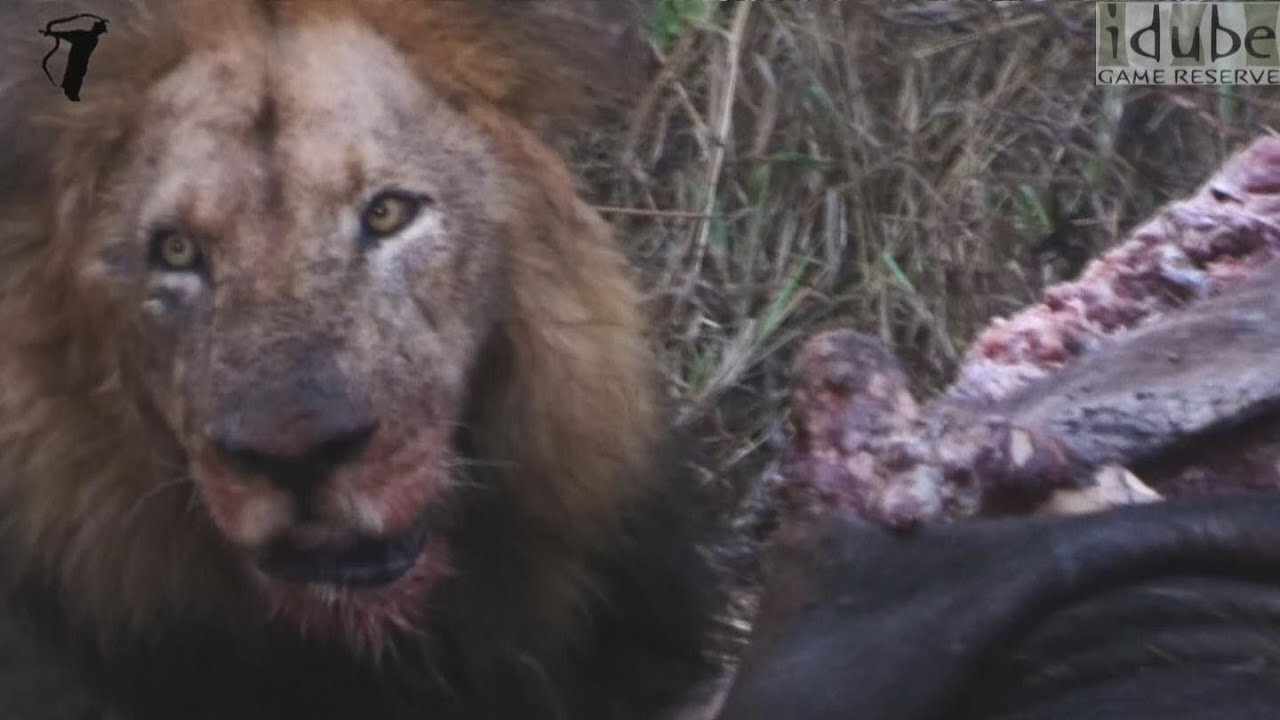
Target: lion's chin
<point x="360" y="591"/>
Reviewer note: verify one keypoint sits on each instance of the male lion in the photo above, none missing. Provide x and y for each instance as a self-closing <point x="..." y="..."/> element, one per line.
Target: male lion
<point x="322" y="394"/>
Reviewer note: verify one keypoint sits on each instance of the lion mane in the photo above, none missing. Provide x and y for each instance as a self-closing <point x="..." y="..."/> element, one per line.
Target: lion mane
<point x="573" y="586"/>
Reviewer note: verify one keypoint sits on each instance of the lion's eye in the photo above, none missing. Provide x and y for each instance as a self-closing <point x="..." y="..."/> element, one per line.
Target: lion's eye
<point x="173" y="250"/>
<point x="390" y="212"/>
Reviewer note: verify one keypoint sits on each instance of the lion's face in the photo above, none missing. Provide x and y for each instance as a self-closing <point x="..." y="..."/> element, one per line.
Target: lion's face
<point x="310" y="268"/>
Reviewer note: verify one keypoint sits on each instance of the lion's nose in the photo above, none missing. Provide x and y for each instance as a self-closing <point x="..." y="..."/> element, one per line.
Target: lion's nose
<point x="295" y="453"/>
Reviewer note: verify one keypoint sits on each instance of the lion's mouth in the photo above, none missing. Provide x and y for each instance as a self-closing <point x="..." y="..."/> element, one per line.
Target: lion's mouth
<point x="345" y="560"/>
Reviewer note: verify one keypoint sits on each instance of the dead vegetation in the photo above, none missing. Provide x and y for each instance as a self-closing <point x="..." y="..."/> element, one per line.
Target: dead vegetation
<point x="908" y="169"/>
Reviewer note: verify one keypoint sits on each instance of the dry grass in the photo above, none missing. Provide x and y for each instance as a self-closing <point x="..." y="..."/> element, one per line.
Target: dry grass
<point x="905" y="168"/>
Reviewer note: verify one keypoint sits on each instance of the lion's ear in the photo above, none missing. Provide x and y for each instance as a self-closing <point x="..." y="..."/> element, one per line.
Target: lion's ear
<point x="535" y="58"/>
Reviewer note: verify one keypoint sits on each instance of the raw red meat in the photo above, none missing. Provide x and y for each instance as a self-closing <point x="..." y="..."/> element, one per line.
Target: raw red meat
<point x="1155" y="373"/>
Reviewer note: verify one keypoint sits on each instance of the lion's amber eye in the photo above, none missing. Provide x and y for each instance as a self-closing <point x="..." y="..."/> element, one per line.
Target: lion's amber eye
<point x="389" y="212"/>
<point x="174" y="251"/>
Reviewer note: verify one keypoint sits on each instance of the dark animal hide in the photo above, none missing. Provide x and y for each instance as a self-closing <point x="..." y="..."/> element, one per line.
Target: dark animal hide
<point x="1167" y="611"/>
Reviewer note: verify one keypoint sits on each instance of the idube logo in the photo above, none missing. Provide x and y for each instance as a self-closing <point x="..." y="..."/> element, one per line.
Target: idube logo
<point x="1187" y="43"/>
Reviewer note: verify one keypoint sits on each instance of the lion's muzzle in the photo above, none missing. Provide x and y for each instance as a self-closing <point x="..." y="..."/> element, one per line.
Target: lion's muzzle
<point x="294" y="472"/>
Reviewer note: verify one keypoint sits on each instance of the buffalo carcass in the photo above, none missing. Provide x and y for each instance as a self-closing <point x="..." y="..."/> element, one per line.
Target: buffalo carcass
<point x="1083" y="526"/>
